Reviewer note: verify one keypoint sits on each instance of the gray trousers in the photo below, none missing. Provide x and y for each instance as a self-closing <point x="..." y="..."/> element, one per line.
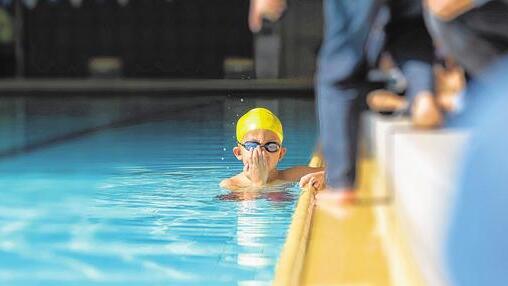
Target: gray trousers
<point x="475" y="39"/>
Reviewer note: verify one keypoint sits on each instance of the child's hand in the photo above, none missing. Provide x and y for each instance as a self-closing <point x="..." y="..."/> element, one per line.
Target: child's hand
<point x="315" y="180"/>
<point x="256" y="168"/>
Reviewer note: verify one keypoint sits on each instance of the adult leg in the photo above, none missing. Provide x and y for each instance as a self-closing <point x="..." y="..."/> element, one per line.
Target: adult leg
<point x="340" y="85"/>
<point x="411" y="47"/>
<point x="410" y="44"/>
<point x="475" y="39"/>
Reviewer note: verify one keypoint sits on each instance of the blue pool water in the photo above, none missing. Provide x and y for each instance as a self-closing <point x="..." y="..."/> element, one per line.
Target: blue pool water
<point x="125" y="192"/>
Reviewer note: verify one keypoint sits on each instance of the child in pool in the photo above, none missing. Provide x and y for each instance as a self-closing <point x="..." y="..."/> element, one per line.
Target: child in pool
<point x="259" y="134"/>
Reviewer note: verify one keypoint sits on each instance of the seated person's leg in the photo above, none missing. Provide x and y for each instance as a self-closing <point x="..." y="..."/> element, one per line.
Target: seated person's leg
<point x="412" y="49"/>
<point x="475" y="39"/>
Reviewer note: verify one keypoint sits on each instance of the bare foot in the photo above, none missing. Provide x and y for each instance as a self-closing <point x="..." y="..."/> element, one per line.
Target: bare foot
<point x="337" y="197"/>
<point x="448" y="101"/>
<point x="450" y="81"/>
<point x="384" y="100"/>
<point x="425" y="112"/>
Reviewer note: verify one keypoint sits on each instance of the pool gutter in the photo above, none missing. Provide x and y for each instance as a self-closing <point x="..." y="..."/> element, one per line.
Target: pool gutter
<point x="165" y="87"/>
<point x="363" y="244"/>
<point x="292" y="257"/>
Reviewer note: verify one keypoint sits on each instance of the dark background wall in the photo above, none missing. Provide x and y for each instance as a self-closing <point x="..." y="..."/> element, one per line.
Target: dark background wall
<point x="153" y="38"/>
<point x="301" y="35"/>
<point x="7" y="36"/>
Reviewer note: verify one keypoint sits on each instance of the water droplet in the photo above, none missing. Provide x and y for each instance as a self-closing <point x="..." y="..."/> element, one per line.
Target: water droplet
<point x="224" y="149"/>
<point x="222" y="158"/>
<point x="241" y="99"/>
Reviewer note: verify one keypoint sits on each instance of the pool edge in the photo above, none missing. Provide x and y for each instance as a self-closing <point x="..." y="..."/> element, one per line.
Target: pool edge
<point x="401" y="267"/>
<point x="292" y="257"/>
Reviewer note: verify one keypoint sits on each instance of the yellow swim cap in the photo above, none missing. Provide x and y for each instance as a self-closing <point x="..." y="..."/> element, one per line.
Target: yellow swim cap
<point x="258" y="118"/>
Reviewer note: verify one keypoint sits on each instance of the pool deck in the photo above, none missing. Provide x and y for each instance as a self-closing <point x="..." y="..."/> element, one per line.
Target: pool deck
<point x="395" y="236"/>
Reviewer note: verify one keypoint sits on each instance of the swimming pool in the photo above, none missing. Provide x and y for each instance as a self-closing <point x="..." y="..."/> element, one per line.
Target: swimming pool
<point x="124" y="191"/>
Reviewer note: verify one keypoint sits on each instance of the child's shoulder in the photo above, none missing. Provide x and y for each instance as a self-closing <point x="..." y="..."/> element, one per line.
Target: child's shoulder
<point x="234" y="183"/>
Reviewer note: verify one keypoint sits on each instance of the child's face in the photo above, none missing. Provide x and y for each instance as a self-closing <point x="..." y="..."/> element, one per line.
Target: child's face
<point x="262" y="137"/>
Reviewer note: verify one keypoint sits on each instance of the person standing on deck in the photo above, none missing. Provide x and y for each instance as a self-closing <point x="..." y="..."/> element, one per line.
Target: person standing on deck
<point x="350" y="40"/>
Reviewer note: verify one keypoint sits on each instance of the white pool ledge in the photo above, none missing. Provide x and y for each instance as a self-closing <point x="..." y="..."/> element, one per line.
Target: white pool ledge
<point x="420" y="169"/>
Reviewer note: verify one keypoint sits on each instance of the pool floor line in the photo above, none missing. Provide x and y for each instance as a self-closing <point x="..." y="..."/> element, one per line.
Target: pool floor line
<point x="127" y="122"/>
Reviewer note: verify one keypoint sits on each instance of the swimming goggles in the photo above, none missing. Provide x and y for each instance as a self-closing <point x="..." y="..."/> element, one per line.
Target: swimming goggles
<point x="271" y="147"/>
